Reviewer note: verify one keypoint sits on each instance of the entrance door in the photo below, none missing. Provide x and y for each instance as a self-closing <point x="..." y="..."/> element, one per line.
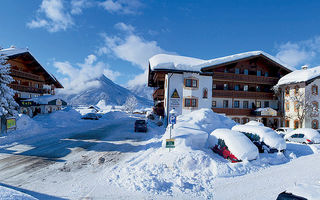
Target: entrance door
<point x="264" y="121"/>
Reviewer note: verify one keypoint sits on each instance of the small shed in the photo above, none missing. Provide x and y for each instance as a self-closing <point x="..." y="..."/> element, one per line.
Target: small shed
<point x="41" y="105"/>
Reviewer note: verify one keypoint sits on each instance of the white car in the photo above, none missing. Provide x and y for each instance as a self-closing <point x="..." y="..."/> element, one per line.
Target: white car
<point x="303" y="135"/>
<point x="301" y="191"/>
<point x="283" y="131"/>
<point x="263" y="137"/>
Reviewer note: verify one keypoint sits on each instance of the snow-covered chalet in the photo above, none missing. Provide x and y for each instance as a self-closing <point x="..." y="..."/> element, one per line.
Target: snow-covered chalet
<point x="239" y="86"/>
<point x="298" y="92"/>
<point x="31" y="80"/>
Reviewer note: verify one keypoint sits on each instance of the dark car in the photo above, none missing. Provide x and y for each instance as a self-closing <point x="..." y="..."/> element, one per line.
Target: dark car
<point x="92" y="116"/>
<point x="140" y="125"/>
<point x="289" y="196"/>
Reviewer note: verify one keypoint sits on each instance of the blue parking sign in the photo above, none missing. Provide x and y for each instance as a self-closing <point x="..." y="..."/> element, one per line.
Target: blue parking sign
<point x="172" y="119"/>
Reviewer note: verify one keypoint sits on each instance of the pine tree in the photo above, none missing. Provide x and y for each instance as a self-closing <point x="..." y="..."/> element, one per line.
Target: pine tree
<point x="7" y="103"/>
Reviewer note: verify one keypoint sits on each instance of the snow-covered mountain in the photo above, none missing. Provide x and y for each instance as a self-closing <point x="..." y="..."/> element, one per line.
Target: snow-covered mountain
<point x="110" y="92"/>
<point x="142" y="91"/>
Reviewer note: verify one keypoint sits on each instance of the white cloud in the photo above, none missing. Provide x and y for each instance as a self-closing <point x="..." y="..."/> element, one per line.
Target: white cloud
<point x="52" y="16"/>
<point x="299" y="53"/>
<point x="132" y="48"/>
<point x="121" y="6"/>
<point x="83" y="75"/>
<point x="78" y="5"/>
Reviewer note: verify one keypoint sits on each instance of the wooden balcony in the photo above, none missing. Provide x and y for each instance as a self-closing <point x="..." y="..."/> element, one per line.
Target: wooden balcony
<point x="234" y="111"/>
<point x="242" y="94"/>
<point x="221" y="76"/>
<point x="26" y="75"/>
<point x="158" y="94"/>
<point x="23" y="88"/>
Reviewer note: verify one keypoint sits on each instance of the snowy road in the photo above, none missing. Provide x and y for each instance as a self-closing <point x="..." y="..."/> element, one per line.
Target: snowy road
<point x="43" y="164"/>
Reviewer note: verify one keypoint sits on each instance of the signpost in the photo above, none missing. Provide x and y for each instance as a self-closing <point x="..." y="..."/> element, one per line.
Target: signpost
<point x="11" y="123"/>
<point x="172" y="122"/>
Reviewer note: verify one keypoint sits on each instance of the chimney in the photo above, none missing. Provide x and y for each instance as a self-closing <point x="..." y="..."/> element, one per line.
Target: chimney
<point x="304" y="67"/>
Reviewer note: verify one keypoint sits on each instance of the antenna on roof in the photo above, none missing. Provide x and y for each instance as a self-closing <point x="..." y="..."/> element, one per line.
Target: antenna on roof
<point x="304" y="67"/>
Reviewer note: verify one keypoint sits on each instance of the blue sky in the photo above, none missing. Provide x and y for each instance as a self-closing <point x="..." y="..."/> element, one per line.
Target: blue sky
<point x="77" y="40"/>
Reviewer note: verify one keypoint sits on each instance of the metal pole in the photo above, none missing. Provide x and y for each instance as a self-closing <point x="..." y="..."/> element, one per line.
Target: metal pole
<point x="168" y="98"/>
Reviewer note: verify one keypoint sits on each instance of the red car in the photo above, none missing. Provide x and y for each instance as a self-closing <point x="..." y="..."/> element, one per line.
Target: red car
<point x="222" y="149"/>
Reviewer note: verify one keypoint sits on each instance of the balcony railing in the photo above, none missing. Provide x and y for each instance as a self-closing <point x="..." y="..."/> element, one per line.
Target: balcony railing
<point x="242" y="94"/>
<point x="245" y="78"/>
<point x="25" y="75"/>
<point x="23" y="88"/>
<point x="234" y="111"/>
<point x="158" y="94"/>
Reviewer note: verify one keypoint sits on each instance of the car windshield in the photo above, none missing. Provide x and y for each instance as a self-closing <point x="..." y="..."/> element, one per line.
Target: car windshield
<point x="140" y="122"/>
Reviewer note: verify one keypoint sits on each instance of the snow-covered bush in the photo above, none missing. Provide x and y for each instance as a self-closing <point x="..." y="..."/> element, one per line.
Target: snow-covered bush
<point x="7" y="103"/>
<point x="130" y="104"/>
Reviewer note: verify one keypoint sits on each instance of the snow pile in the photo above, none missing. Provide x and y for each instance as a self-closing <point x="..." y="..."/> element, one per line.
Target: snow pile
<point x="301" y="75"/>
<point x="189" y="168"/>
<point x="309" y="133"/>
<point x="237" y="143"/>
<point x="24" y="122"/>
<point x="174" y="62"/>
<point x="267" y="135"/>
<point x="10" y="194"/>
<point x="254" y="123"/>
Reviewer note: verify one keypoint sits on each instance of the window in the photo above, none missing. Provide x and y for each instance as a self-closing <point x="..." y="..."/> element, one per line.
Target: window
<point x="245" y="104"/>
<point x="191" y="83"/>
<point x="287" y="123"/>
<point x="296" y="124"/>
<point x="266" y="74"/>
<point x="214" y="104"/>
<point x="245" y="120"/>
<point x="287" y="91"/>
<point x="237" y="71"/>
<point x="258" y="104"/>
<point x="314" y="124"/>
<point x="236" y="104"/>
<point x="287" y="106"/>
<point x="258" y="73"/>
<point x="190" y="102"/>
<point x="246" y="72"/>
<point x="258" y="89"/>
<point x="236" y="119"/>
<point x="245" y="88"/>
<point x="266" y="104"/>
<point x="226" y="70"/>
<point x="296" y="90"/>
<point x="36" y="85"/>
<point x="205" y="93"/>
<point x="225" y="103"/>
<point x="237" y="87"/>
<point x="315" y="90"/>
<point x="221" y="143"/>
<point x="296" y="106"/>
<point x="225" y="86"/>
<point x="214" y="86"/>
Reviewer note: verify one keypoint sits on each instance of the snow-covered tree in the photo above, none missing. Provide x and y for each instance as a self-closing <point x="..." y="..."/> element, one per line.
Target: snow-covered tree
<point x="7" y="103"/>
<point x="130" y="104"/>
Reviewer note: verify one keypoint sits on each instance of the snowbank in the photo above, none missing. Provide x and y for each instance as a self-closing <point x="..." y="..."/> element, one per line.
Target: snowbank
<point x="10" y="194"/>
<point x="192" y="129"/>
<point x="238" y="144"/>
<point x="308" y="132"/>
<point x="308" y="191"/>
<point x="24" y="122"/>
<point x="267" y="135"/>
<point x="301" y="75"/>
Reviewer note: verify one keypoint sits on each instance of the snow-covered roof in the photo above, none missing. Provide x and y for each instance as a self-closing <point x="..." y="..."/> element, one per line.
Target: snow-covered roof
<point x="299" y="76"/>
<point x="266" y="134"/>
<point x="308" y="132"/>
<point x="12" y="51"/>
<point x="238" y="144"/>
<point x="174" y="62"/>
<point x="43" y="99"/>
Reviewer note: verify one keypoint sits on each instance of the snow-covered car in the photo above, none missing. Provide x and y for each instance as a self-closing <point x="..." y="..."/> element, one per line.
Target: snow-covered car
<point x="263" y="137"/>
<point x="92" y="116"/>
<point x="301" y="192"/>
<point x="303" y="135"/>
<point x="254" y="123"/>
<point x="140" y="125"/>
<point x="232" y="145"/>
<point x="282" y="131"/>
